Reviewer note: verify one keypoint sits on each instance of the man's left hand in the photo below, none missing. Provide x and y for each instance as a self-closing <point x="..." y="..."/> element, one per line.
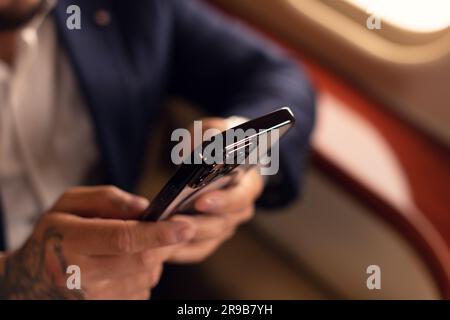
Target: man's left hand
<point x="220" y="212"/>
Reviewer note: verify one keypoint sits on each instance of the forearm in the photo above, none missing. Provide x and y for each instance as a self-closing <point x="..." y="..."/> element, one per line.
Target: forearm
<point x="230" y="71"/>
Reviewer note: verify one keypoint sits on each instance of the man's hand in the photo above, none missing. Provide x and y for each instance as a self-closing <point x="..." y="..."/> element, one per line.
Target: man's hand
<point x="95" y="229"/>
<point x="220" y="211"/>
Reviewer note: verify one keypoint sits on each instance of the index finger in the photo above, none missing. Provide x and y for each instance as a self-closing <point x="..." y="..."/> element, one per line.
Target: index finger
<point x="96" y="236"/>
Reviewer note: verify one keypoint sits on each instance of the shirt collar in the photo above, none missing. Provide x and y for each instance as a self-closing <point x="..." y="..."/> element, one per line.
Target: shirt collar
<point x="29" y="32"/>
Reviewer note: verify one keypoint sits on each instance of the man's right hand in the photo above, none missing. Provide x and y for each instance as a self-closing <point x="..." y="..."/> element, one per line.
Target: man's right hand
<point x="96" y="229"/>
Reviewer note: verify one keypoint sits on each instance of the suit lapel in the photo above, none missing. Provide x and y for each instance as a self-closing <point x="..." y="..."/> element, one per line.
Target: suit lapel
<point x="97" y="58"/>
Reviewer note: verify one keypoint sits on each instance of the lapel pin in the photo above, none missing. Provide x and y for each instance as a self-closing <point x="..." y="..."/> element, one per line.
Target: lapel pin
<point x="102" y="17"/>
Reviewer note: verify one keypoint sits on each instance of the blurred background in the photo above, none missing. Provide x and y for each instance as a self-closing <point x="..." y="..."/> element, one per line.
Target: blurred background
<point x="378" y="185"/>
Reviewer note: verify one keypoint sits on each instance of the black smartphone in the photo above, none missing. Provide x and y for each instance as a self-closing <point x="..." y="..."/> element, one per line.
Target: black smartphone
<point x="216" y="163"/>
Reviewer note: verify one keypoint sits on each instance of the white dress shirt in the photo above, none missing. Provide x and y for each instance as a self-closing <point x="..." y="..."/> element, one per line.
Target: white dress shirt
<point x="46" y="135"/>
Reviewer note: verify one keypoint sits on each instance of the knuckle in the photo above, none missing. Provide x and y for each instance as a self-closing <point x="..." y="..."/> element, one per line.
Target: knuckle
<point x="121" y="239"/>
<point x="111" y="191"/>
<point x="230" y="233"/>
<point x="69" y="192"/>
<point x="115" y="196"/>
<point x="144" y="295"/>
<point x="164" y="236"/>
<point x="156" y="275"/>
<point x="225" y="225"/>
<point x="250" y="213"/>
<point x="146" y="260"/>
<point x="246" y="215"/>
<point x="111" y="188"/>
<point x="65" y="196"/>
<point x="48" y="221"/>
<point x="143" y="281"/>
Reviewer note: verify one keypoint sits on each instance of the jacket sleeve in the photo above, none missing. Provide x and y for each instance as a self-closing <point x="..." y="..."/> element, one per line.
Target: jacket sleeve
<point x="226" y="69"/>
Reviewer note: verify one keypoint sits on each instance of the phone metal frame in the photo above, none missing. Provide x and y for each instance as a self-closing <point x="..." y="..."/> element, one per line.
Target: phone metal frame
<point x="190" y="181"/>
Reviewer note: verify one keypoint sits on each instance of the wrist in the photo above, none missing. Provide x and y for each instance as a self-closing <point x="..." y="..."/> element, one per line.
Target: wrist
<point x="3" y="276"/>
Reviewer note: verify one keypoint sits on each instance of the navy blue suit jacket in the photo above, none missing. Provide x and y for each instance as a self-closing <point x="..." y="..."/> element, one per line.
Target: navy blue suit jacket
<point x="154" y="48"/>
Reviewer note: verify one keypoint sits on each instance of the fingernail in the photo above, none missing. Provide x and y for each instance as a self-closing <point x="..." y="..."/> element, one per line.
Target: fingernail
<point x="183" y="231"/>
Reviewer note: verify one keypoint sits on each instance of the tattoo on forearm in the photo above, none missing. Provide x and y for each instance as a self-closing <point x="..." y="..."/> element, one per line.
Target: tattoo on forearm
<point x="25" y="274"/>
